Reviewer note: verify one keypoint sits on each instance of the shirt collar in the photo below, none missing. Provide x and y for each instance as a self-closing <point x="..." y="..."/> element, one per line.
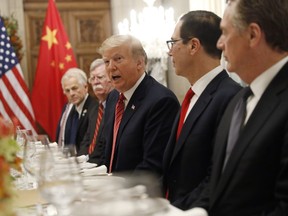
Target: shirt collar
<point x="259" y="85"/>
<point x="81" y="105"/>
<point x="199" y="86"/>
<point x="128" y="94"/>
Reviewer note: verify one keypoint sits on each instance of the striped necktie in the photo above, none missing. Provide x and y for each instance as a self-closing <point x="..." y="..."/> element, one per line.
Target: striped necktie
<point x="119" y="110"/>
<point x="98" y="122"/>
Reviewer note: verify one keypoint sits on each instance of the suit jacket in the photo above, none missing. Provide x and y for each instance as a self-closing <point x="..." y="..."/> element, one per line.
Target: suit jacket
<point x="144" y="129"/>
<point x="255" y="178"/>
<point x="82" y="123"/>
<point x="186" y="161"/>
<point x="98" y="155"/>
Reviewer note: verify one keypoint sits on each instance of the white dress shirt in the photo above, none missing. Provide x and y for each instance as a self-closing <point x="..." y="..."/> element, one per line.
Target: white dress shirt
<point x="200" y="85"/>
<point x="259" y="85"/>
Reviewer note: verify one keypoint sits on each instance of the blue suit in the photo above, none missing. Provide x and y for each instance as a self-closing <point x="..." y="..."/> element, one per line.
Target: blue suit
<point x="144" y="129"/>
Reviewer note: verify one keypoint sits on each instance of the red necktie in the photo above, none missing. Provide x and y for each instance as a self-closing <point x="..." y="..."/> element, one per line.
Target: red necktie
<point x="184" y="108"/>
<point x="118" y="117"/>
<point x="98" y="122"/>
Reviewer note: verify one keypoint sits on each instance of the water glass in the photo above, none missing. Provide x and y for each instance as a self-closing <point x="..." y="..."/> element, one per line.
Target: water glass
<point x="60" y="182"/>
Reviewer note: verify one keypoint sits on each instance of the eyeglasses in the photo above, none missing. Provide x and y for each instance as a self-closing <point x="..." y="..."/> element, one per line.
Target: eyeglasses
<point x="170" y="43"/>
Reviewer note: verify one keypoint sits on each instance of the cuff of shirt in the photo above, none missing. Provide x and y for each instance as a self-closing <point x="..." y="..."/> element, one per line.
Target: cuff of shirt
<point x="196" y="212"/>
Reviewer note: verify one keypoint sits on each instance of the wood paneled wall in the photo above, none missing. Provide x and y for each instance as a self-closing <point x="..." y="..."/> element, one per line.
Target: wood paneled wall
<point x="87" y="24"/>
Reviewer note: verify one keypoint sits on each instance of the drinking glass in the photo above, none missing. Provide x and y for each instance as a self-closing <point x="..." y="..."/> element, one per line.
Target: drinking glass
<point x="21" y="139"/>
<point x="59" y="179"/>
<point x="31" y="160"/>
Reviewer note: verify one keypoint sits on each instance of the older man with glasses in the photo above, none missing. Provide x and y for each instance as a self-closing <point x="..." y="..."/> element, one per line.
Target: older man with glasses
<point x="187" y="158"/>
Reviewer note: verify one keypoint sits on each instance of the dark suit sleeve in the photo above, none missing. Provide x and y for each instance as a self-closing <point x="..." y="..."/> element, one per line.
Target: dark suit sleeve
<point x="203" y="191"/>
<point x="156" y="133"/>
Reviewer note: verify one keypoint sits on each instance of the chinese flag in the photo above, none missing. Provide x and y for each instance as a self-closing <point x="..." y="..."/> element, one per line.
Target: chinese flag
<point x="55" y="58"/>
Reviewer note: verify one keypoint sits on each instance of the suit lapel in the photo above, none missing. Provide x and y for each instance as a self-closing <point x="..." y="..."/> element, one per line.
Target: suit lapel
<point x="266" y="105"/>
<point x="192" y="117"/>
<point x="197" y="111"/>
<point x="84" y="112"/>
<point x="133" y="105"/>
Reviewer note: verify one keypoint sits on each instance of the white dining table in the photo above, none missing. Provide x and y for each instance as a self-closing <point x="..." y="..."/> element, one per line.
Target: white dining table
<point x="30" y="203"/>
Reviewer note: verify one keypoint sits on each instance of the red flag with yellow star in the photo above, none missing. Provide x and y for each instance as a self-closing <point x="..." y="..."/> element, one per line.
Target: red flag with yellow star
<point x="55" y="58"/>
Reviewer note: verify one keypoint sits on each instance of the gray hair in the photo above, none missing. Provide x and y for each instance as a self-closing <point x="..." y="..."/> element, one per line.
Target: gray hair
<point x="271" y="16"/>
<point x="77" y="73"/>
<point x="96" y="63"/>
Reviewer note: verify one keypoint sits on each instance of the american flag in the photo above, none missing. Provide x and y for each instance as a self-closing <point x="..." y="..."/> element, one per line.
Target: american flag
<point x="14" y="94"/>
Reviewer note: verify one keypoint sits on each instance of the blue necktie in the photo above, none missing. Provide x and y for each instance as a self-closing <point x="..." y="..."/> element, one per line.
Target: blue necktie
<point x="74" y="126"/>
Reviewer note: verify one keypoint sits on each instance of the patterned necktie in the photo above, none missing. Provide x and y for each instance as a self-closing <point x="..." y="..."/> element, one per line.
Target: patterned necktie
<point x="237" y="121"/>
<point x="184" y="108"/>
<point x="118" y="117"/>
<point x="98" y="122"/>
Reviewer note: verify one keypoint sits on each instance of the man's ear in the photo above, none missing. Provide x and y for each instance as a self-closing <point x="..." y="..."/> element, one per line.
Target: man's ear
<point x="140" y="62"/>
<point x="194" y="45"/>
<point x="255" y="34"/>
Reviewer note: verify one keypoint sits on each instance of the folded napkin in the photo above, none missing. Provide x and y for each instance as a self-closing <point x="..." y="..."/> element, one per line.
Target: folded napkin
<point x="83" y="158"/>
<point x="87" y="165"/>
<point x="101" y="170"/>
<point x="39" y="145"/>
<point x="53" y="145"/>
<point x="196" y="212"/>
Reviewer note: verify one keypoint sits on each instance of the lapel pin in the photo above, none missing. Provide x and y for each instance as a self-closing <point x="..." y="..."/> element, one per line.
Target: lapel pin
<point x="133" y="107"/>
<point x="84" y="112"/>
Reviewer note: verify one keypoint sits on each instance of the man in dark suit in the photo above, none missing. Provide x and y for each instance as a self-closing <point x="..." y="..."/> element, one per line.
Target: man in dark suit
<point x="250" y="174"/>
<point x="145" y="110"/>
<point x="74" y="120"/>
<point x="187" y="158"/>
<point x="93" y="143"/>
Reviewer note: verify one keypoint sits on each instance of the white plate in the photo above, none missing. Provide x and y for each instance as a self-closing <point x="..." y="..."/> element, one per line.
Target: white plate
<point x="96" y="171"/>
<point x="87" y="165"/>
<point x="102" y="183"/>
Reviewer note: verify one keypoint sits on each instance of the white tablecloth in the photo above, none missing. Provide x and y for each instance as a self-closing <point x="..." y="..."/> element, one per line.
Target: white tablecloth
<point x="30" y="203"/>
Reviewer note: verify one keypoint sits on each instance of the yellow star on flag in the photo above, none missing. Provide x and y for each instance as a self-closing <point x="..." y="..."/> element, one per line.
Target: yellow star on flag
<point x="68" y="45"/>
<point x="50" y="37"/>
<point x="61" y="66"/>
<point x="68" y="58"/>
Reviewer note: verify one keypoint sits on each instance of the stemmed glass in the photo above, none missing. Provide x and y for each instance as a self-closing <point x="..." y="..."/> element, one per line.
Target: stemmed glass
<point x="59" y="179"/>
<point x="21" y="139"/>
<point x="34" y="145"/>
<point x="30" y="160"/>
